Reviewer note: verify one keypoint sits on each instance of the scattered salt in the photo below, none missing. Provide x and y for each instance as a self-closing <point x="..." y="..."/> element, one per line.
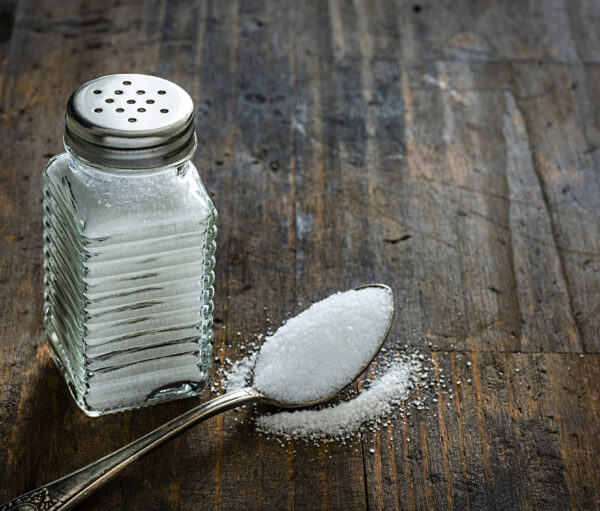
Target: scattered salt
<point x="239" y="375"/>
<point x="357" y="413"/>
<point x="345" y="418"/>
<point x="325" y="347"/>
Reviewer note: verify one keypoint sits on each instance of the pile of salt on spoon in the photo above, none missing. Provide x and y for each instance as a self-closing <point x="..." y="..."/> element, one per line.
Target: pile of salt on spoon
<point x="321" y="350"/>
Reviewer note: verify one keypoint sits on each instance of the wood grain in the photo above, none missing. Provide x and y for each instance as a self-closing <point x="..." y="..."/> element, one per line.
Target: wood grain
<point x="447" y="149"/>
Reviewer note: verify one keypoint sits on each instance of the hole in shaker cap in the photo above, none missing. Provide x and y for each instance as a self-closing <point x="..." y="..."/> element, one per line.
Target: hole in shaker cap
<point x="140" y="92"/>
<point x="161" y="92"/>
<point x="119" y="110"/>
<point x="132" y="119"/>
<point x="150" y="101"/>
<point x="131" y="101"/>
<point x="126" y="82"/>
<point x="118" y="92"/>
<point x="141" y="109"/>
<point x="109" y="100"/>
<point x="97" y="110"/>
<point x="164" y="111"/>
<point x="97" y="91"/>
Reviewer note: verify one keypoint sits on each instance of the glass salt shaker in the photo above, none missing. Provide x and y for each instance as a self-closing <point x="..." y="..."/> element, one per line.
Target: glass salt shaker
<point x="128" y="247"/>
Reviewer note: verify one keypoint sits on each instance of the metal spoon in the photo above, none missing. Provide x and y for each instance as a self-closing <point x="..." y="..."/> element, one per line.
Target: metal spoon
<point x="70" y="490"/>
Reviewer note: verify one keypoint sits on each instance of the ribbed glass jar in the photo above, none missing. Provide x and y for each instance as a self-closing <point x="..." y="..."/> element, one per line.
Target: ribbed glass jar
<point x="128" y="285"/>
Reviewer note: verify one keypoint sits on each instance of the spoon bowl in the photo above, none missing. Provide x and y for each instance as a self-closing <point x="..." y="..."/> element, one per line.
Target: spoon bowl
<point x="352" y="378"/>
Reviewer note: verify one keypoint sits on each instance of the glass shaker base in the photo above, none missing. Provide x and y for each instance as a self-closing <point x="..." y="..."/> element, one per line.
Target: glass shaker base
<point x="173" y="390"/>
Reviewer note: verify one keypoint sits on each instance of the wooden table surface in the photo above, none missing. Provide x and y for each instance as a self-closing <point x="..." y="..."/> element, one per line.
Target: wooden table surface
<point x="448" y="149"/>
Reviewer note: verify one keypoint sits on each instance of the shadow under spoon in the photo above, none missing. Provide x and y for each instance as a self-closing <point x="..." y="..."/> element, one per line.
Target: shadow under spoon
<point x="70" y="490"/>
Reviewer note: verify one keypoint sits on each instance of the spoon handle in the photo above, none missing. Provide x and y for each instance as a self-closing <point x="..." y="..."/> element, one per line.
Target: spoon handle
<point x="68" y="491"/>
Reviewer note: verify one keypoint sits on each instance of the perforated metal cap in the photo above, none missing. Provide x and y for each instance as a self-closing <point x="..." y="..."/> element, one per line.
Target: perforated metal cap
<point x="130" y="121"/>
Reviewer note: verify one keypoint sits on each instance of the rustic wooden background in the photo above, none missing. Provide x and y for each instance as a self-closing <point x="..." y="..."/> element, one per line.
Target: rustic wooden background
<point x="450" y="149"/>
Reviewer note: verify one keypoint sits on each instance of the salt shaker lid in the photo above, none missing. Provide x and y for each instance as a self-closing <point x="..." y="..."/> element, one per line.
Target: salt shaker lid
<point x="130" y="121"/>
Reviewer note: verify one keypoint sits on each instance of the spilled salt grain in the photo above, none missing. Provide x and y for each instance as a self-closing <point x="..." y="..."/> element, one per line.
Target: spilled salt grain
<point x="342" y="420"/>
<point x="330" y="424"/>
<point x="324" y="348"/>
<point x="370" y="410"/>
<point x="239" y="374"/>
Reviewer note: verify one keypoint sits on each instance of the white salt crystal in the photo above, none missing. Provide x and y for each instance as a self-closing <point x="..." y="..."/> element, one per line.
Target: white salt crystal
<point x="315" y="353"/>
<point x="321" y="335"/>
<point x="344" y="419"/>
<point x="239" y="374"/>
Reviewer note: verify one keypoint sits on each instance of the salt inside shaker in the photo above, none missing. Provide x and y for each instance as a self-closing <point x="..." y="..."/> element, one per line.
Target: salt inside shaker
<point x="129" y="247"/>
